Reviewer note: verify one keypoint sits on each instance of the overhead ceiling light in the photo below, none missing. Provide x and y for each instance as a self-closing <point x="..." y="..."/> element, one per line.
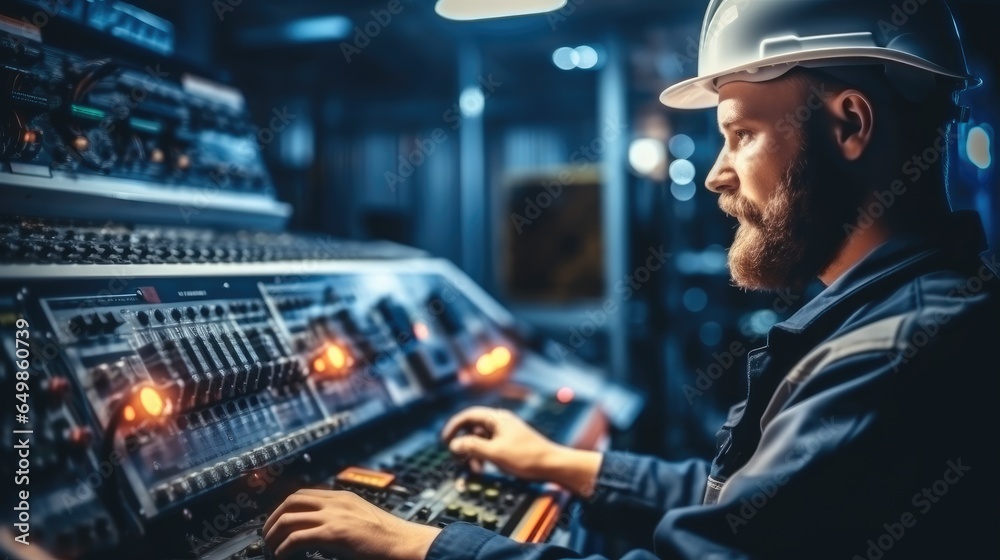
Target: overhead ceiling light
<point x="466" y="10"/>
<point x="583" y="57"/>
<point x="682" y="171"/>
<point x="977" y="147"/>
<point x="646" y="156"/>
<point x="322" y="28"/>
<point x="472" y="102"/>
<point x="565" y="58"/>
<point x="588" y="57"/>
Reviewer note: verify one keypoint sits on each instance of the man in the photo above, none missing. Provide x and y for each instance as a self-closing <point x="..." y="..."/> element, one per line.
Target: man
<point x="866" y="431"/>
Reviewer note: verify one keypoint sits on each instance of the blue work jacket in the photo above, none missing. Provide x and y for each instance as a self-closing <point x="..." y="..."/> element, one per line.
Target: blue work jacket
<point x="865" y="432"/>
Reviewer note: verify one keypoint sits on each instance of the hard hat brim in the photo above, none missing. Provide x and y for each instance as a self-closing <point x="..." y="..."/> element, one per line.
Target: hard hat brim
<point x="701" y="92"/>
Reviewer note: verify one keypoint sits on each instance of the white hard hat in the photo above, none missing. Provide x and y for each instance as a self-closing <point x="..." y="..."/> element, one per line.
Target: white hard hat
<point x="760" y="40"/>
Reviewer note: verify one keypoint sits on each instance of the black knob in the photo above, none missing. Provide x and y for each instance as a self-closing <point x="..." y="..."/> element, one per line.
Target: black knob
<point x="191" y="313"/>
<point x="143" y="318"/>
<point x="159" y="316"/>
<point x="109" y="322"/>
<point x="205" y="311"/>
<point x="77" y="325"/>
<point x="93" y="323"/>
<point x="176" y="314"/>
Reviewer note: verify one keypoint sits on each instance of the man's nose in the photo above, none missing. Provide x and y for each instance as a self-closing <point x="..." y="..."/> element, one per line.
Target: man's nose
<point x="722" y="177"/>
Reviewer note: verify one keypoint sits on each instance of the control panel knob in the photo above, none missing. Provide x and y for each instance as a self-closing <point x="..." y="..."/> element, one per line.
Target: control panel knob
<point x="56" y="389"/>
<point x="78" y="437"/>
<point x="470" y="514"/>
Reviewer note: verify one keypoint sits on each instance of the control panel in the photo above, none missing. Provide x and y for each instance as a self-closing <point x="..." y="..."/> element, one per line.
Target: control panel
<point x="160" y="392"/>
<point x="151" y="143"/>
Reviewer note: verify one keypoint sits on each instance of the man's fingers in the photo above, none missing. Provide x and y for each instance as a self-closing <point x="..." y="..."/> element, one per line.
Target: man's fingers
<point x="300" y="541"/>
<point x="481" y="416"/>
<point x="471" y="447"/>
<point x="295" y="502"/>
<point x="287" y="524"/>
<point x="319" y="492"/>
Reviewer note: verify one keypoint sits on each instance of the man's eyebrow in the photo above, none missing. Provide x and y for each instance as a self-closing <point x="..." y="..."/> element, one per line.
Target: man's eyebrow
<point x="727" y="123"/>
<point x="741" y="120"/>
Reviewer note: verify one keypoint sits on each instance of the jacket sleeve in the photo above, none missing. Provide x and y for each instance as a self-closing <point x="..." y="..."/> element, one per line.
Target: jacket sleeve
<point x="468" y="542"/>
<point x="633" y="492"/>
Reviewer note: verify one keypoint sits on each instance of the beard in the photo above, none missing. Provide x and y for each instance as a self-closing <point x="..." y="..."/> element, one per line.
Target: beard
<point x="801" y="229"/>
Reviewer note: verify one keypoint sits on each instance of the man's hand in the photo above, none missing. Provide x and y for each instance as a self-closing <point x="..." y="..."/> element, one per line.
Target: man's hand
<point x="502" y="438"/>
<point x="345" y="525"/>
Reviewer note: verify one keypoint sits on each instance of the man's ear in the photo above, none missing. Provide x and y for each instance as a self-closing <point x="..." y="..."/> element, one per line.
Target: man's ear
<point x="853" y="122"/>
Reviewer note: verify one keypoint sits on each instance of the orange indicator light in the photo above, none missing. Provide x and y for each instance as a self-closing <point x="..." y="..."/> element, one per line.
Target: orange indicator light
<point x="493" y="361"/>
<point x="319" y="365"/>
<point x="501" y="357"/>
<point x="486" y="365"/>
<point x="565" y="395"/>
<point x="336" y="356"/>
<point x="151" y="401"/>
<point x="421" y="331"/>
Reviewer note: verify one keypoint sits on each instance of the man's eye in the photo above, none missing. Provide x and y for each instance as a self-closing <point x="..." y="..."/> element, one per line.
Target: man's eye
<point x="743" y="134"/>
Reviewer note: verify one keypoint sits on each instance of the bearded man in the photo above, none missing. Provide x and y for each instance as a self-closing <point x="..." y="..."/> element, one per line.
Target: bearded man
<point x="865" y="431"/>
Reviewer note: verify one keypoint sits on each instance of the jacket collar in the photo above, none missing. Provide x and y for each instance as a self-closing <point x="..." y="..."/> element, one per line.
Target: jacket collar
<point x="893" y="259"/>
